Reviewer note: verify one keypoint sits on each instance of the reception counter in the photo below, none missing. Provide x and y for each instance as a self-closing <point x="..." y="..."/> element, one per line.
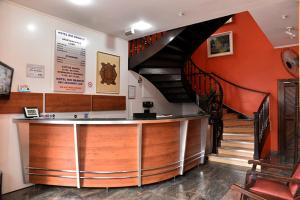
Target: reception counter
<point x="110" y="152"/>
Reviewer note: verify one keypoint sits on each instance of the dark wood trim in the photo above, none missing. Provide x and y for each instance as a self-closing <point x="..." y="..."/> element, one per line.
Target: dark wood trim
<point x="55" y="102"/>
<point x="19" y="100"/>
<point x="108" y="103"/>
<point x="246" y="192"/>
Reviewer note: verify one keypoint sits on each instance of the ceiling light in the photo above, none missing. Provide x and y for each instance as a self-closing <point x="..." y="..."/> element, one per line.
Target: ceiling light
<point x="141" y="26"/>
<point x="81" y="2"/>
<point x="31" y="27"/>
<point x="181" y="13"/>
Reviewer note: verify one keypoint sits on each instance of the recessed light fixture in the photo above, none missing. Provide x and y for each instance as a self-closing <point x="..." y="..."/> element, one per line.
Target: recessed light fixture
<point x="81" y="2"/>
<point x="31" y="27"/>
<point x="141" y="26"/>
<point x="181" y="13"/>
<point x="284" y="16"/>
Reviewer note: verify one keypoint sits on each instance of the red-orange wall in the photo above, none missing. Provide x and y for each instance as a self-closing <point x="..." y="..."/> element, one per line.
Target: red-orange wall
<point x="255" y="64"/>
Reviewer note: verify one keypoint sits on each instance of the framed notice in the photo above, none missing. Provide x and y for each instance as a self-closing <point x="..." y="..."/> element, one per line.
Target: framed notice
<point x="69" y="62"/>
<point x="220" y="44"/>
<point x="108" y="73"/>
<point x="35" y="71"/>
<point x="131" y="92"/>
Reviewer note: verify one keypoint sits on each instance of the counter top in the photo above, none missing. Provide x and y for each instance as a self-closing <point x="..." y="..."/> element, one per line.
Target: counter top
<point x="108" y="120"/>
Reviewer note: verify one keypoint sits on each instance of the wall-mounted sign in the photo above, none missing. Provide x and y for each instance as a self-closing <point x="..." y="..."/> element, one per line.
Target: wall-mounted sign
<point x="35" y="71"/>
<point x="69" y="62"/>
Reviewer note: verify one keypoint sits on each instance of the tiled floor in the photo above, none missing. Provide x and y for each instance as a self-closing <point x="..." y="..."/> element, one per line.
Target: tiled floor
<point x="210" y="182"/>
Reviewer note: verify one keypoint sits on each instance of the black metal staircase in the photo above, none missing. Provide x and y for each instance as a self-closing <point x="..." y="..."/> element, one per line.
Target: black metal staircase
<point x="166" y="62"/>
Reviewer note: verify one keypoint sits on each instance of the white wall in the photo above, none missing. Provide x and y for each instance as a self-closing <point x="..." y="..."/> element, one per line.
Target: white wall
<point x="18" y="47"/>
<point x="146" y="91"/>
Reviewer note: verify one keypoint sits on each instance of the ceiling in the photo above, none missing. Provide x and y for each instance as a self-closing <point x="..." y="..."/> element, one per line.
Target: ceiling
<point x="115" y="16"/>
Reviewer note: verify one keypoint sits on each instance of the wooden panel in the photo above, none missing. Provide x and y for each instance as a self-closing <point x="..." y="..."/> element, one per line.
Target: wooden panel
<point x="18" y="100"/>
<point x="108" y="148"/>
<point x="288" y="100"/>
<point x="51" y="147"/>
<point x="161" y="147"/>
<point x="193" y="143"/>
<point x="68" y="103"/>
<point x="107" y="103"/>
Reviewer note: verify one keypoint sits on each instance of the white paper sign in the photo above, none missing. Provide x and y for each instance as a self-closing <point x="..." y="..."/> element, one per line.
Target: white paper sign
<point x="69" y="62"/>
<point x="35" y="71"/>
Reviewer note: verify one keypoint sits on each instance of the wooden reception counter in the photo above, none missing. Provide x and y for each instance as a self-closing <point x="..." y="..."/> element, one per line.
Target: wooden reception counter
<point x="110" y="152"/>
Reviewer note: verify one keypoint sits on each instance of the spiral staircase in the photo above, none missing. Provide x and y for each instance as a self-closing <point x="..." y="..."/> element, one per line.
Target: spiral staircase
<point x="165" y="60"/>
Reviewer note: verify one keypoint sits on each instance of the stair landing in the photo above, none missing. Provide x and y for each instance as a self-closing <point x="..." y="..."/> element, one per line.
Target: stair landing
<point x="237" y="145"/>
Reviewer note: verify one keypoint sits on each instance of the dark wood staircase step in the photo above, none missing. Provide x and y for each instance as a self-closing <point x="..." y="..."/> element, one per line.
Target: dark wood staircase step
<point x="166" y="85"/>
<point x="162" y="63"/>
<point x="175" y="90"/>
<point x="175" y="48"/>
<point x="163" y="78"/>
<point x="165" y="71"/>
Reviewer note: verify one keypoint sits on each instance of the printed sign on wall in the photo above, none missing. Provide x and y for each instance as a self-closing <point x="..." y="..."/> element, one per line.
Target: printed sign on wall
<point x="35" y="71"/>
<point x="69" y="62"/>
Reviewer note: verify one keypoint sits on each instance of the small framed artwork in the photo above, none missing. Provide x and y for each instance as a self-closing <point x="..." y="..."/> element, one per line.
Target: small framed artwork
<point x="220" y="44"/>
<point x="131" y="92"/>
<point x="108" y="73"/>
<point x="31" y="112"/>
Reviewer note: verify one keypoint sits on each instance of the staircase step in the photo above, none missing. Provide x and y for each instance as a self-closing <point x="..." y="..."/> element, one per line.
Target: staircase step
<point x="230" y="116"/>
<point x="175" y="48"/>
<point x="166" y="71"/>
<point x="170" y="56"/>
<point x="240" y="137"/>
<point x="166" y="63"/>
<point x="237" y="144"/>
<point x="181" y="100"/>
<point x="238" y="122"/>
<point x="237" y="160"/>
<point x="163" y="78"/>
<point x="175" y="90"/>
<point x="239" y="129"/>
<point x="167" y="85"/>
<point x="178" y="96"/>
<point x="232" y="151"/>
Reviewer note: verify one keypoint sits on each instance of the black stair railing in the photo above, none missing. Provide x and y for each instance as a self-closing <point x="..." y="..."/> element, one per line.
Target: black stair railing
<point x="261" y="125"/>
<point x="261" y="118"/>
<point x="209" y="97"/>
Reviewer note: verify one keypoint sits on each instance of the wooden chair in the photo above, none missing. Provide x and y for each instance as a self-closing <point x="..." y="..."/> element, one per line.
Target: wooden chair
<point x="268" y="186"/>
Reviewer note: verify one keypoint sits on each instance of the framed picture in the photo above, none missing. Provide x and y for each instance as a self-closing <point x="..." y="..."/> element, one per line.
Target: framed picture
<point x="220" y="44"/>
<point x="131" y="92"/>
<point x="6" y="76"/>
<point x="108" y="73"/>
<point x="31" y="112"/>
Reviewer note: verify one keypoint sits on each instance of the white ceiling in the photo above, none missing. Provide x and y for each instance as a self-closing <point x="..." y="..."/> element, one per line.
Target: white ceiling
<point x="115" y="16"/>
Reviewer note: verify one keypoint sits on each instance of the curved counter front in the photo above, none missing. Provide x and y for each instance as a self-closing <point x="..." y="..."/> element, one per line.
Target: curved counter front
<point x="110" y="152"/>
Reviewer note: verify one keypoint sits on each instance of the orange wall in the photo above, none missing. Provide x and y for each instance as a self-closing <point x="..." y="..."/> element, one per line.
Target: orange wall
<point x="255" y="64"/>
